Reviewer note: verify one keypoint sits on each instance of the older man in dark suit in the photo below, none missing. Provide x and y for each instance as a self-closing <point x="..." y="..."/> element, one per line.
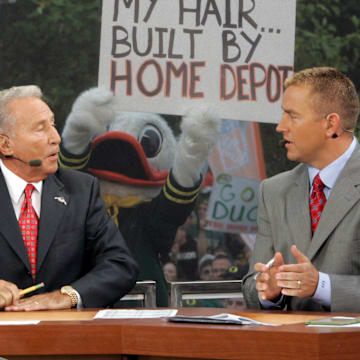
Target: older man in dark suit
<point x="53" y="224"/>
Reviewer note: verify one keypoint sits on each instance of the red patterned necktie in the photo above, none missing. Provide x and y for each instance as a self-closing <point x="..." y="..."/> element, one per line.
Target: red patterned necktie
<point x="317" y="202"/>
<point x="28" y="222"/>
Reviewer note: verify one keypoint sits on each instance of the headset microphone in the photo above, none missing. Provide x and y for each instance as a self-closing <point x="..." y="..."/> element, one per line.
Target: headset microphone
<point x="33" y="163"/>
<point x="282" y="143"/>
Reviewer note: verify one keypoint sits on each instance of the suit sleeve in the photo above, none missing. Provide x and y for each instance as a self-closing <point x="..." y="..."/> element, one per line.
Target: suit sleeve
<point x="263" y="252"/>
<point x="109" y="270"/>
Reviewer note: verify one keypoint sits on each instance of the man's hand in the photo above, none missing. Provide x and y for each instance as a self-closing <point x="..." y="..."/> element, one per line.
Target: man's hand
<point x="266" y="283"/>
<point x="299" y="279"/>
<point x="8" y="293"/>
<point x="49" y="301"/>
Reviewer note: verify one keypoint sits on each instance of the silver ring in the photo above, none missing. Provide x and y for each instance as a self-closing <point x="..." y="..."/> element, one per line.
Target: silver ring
<point x="299" y="284"/>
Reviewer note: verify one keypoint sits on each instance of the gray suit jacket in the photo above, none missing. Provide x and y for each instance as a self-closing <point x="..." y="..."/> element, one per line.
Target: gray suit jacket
<point x="334" y="249"/>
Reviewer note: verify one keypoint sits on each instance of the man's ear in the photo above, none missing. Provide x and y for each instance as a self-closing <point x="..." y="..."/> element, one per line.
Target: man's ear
<point x="333" y="129"/>
<point x="5" y="145"/>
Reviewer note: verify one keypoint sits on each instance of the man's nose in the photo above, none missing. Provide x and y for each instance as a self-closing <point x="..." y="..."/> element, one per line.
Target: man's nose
<point x="55" y="136"/>
<point x="281" y="126"/>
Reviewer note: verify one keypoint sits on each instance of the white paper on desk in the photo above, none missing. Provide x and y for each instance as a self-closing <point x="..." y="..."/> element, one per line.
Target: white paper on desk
<point x="334" y="326"/>
<point x="218" y="319"/>
<point x="20" y="322"/>
<point x="243" y="319"/>
<point x="337" y="326"/>
<point x="134" y="314"/>
<point x="355" y="324"/>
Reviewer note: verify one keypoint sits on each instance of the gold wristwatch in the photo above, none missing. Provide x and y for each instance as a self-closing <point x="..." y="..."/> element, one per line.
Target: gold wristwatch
<point x="68" y="290"/>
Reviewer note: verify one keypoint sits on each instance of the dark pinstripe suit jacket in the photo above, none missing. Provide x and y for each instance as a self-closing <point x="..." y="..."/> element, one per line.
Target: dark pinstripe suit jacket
<point x="78" y="244"/>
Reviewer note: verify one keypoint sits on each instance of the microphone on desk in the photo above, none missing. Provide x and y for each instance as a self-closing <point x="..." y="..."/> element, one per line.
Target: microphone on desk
<point x="33" y="163"/>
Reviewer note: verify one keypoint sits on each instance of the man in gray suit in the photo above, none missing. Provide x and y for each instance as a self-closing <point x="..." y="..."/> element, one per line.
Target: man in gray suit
<point x="75" y="249"/>
<point x="315" y="248"/>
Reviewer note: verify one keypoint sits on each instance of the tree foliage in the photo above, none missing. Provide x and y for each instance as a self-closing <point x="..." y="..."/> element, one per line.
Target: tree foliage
<point x="327" y="34"/>
<point x="53" y="44"/>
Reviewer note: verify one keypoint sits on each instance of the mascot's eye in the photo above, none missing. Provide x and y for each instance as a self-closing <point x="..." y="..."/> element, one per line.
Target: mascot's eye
<point x="151" y="140"/>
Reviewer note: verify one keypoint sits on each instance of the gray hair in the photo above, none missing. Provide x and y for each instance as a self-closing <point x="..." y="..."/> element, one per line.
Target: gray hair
<point x="15" y="92"/>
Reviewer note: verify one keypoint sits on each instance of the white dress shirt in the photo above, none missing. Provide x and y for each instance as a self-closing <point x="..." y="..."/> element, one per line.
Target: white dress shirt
<point x="16" y="187"/>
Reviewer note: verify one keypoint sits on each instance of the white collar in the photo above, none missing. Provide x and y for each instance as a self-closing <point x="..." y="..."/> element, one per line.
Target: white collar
<point x="330" y="173"/>
<point x="16" y="185"/>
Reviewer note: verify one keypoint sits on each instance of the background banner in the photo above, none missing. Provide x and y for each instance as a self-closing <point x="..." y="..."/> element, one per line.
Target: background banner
<point x="165" y="56"/>
<point x="237" y="163"/>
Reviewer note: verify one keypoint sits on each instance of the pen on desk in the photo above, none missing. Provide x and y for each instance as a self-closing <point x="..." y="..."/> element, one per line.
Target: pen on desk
<point x="269" y="264"/>
<point x="31" y="289"/>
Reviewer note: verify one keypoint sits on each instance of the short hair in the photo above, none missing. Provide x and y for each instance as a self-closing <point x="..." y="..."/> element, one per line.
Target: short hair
<point x="221" y="257"/>
<point x="15" y="92"/>
<point x="204" y="264"/>
<point x="206" y="260"/>
<point x="333" y="92"/>
<point x="169" y="262"/>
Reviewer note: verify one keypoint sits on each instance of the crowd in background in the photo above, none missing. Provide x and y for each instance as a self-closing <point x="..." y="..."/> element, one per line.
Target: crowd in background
<point x="201" y="254"/>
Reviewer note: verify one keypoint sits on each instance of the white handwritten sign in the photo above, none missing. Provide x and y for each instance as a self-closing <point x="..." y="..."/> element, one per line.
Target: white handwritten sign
<point x="233" y="205"/>
<point x="168" y="55"/>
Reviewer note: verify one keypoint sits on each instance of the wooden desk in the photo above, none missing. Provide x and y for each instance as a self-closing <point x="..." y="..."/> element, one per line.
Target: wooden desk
<point x="73" y="334"/>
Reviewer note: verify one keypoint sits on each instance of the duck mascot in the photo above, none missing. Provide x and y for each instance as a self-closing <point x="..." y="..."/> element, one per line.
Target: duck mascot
<point x="148" y="180"/>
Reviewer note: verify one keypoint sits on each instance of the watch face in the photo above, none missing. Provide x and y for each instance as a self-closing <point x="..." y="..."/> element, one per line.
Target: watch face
<point x="65" y="289"/>
<point x="68" y="290"/>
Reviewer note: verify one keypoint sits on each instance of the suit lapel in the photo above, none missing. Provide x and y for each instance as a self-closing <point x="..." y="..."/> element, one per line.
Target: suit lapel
<point x="9" y="226"/>
<point x="343" y="197"/>
<point x="298" y="209"/>
<point x="54" y="202"/>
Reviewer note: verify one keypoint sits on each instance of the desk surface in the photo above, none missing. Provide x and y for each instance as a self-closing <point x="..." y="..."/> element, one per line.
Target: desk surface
<point x="71" y="332"/>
